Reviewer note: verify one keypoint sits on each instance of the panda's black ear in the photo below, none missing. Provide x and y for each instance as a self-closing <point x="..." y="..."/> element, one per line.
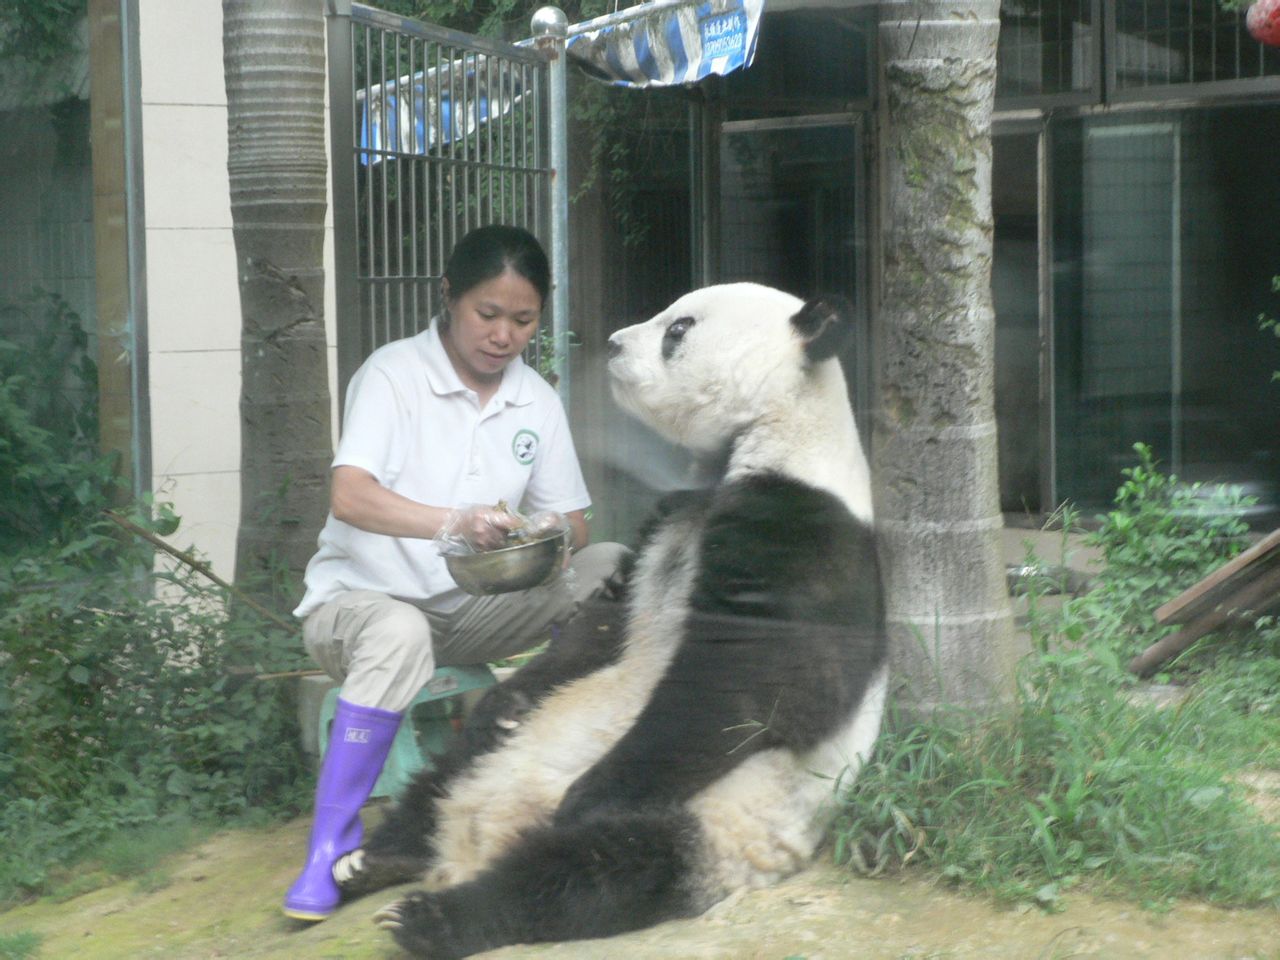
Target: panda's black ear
<point x="826" y="326"/>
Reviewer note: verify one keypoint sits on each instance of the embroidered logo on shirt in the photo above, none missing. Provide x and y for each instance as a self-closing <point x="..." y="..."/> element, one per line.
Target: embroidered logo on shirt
<point x="524" y="445"/>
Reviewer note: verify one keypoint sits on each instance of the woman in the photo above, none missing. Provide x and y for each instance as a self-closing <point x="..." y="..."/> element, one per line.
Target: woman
<point x="437" y="429"/>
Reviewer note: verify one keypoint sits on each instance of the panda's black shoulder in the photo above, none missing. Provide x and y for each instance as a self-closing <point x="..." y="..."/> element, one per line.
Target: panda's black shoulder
<point x="671" y="507"/>
<point x="774" y="546"/>
<point x="770" y="511"/>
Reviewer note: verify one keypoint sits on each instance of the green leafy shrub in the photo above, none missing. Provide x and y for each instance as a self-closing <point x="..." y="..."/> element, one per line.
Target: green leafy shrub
<point x="125" y="705"/>
<point x="127" y="692"/>
<point x="1161" y="537"/>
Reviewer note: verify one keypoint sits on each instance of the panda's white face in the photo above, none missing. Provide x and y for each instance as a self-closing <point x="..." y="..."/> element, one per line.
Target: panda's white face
<point x="713" y="362"/>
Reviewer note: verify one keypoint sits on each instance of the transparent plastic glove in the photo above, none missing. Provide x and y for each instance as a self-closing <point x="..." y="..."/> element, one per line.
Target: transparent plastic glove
<point x="543" y="524"/>
<point x="547" y="523"/>
<point x="475" y="528"/>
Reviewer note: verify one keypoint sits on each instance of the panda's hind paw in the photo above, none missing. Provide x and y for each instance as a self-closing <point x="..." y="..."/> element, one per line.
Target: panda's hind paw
<point x="388" y="917"/>
<point x="418" y="926"/>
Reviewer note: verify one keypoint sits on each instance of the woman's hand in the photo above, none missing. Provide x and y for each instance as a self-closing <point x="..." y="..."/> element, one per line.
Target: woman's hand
<point x="482" y="527"/>
<point x="356" y="497"/>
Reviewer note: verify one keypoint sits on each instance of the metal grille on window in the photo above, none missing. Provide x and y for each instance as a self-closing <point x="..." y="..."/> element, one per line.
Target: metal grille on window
<point x="446" y="135"/>
<point x="1046" y="48"/>
<point x="1163" y="42"/>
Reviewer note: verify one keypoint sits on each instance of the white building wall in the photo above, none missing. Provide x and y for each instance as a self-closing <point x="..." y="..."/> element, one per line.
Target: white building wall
<point x="193" y="300"/>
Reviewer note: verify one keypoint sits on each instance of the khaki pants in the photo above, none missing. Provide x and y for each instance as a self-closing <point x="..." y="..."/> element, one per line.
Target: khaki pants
<point x="383" y="650"/>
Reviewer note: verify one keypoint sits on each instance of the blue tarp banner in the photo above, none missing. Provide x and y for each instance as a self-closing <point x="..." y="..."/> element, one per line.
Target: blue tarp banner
<point x="660" y="43"/>
<point x="668" y="43"/>
<point x="417" y="114"/>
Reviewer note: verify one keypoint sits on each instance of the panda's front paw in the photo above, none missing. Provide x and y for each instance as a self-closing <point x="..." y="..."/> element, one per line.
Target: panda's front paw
<point x="514" y="711"/>
<point x="348" y="868"/>
<point x="497" y="716"/>
<point x="418" y="926"/>
<point x="361" y="872"/>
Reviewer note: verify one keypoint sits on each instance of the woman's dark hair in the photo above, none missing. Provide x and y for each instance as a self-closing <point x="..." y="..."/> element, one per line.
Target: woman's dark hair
<point x="486" y="252"/>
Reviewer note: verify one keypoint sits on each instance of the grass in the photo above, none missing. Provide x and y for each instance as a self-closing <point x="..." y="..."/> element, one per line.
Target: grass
<point x="1085" y="781"/>
<point x="19" y="946"/>
<point x="1078" y="783"/>
<point x="137" y="853"/>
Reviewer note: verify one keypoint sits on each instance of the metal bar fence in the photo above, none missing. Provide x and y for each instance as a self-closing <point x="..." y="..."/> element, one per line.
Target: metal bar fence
<point x="430" y="136"/>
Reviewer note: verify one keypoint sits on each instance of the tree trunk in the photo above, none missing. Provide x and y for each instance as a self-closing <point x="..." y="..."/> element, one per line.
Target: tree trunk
<point x="274" y="60"/>
<point x="934" y="443"/>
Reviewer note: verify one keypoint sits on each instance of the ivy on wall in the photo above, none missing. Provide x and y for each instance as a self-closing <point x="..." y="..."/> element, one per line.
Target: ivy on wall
<point x="40" y="32"/>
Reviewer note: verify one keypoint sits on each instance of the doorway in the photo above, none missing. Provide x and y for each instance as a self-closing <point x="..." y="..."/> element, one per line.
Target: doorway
<point x="792" y="215"/>
<point x="1021" y="365"/>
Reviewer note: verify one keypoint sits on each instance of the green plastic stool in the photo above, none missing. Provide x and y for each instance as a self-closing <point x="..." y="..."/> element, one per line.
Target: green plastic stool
<point x="426" y="729"/>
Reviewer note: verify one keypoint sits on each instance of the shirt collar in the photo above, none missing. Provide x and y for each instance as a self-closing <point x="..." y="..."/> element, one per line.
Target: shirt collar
<point x="443" y="379"/>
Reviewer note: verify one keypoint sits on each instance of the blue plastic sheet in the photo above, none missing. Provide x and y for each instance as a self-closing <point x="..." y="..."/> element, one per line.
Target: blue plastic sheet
<point x="668" y="44"/>
<point x="421" y="113"/>
<point x="661" y="43"/>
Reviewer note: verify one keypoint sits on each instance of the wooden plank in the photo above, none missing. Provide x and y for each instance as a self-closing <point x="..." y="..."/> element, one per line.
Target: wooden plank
<point x="1251" y="563"/>
<point x="1249" y="597"/>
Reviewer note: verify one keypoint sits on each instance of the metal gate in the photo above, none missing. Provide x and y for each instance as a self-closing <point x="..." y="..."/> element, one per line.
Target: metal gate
<point x="433" y="132"/>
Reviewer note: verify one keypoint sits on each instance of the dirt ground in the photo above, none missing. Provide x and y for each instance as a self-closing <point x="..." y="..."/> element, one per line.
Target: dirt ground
<point x="222" y="901"/>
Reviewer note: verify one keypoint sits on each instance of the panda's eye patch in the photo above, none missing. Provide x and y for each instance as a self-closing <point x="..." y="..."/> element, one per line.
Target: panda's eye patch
<point x="675" y="333"/>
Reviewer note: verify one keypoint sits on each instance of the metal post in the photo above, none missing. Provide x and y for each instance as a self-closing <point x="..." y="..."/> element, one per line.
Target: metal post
<point x="343" y="171"/>
<point x="705" y="144"/>
<point x="550" y="27"/>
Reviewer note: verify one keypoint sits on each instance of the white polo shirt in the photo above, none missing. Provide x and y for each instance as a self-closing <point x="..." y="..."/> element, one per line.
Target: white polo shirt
<point x="411" y="422"/>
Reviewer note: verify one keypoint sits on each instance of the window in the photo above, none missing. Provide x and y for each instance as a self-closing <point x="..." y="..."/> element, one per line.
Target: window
<point x="1046" y="48"/>
<point x="1054" y="51"/>
<point x="1162" y="42"/>
<point x="1163" y="253"/>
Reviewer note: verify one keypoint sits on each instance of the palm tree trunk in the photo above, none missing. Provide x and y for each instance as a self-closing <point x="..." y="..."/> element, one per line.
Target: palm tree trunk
<point x="274" y="60"/>
<point x="934" y="442"/>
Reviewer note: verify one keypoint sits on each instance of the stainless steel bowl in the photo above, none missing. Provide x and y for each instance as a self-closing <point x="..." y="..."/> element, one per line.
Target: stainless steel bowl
<point x="508" y="569"/>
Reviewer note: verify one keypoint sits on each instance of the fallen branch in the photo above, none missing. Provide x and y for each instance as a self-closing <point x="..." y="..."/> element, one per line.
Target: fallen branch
<point x="200" y="567"/>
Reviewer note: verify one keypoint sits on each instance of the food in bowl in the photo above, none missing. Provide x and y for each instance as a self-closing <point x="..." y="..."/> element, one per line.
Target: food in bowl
<point x="522" y="566"/>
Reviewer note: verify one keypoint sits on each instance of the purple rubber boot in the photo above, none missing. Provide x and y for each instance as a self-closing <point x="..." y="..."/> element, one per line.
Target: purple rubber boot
<point x="359" y="741"/>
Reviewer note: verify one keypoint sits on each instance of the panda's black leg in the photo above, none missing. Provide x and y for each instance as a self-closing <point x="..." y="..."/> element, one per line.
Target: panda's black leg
<point x="402" y="847"/>
<point x="620" y="871"/>
<point x="592" y="639"/>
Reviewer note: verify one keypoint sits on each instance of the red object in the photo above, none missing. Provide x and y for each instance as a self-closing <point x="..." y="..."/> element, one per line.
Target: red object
<point x="1263" y="22"/>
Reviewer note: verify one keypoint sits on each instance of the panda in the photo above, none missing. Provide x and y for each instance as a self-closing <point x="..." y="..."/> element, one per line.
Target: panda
<point x="684" y="736"/>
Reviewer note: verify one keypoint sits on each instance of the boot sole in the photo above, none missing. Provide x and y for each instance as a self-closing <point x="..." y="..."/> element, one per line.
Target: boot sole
<point x="312" y="915"/>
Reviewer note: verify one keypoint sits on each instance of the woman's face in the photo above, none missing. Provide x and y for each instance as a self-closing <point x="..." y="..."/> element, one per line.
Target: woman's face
<point x="489" y="326"/>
